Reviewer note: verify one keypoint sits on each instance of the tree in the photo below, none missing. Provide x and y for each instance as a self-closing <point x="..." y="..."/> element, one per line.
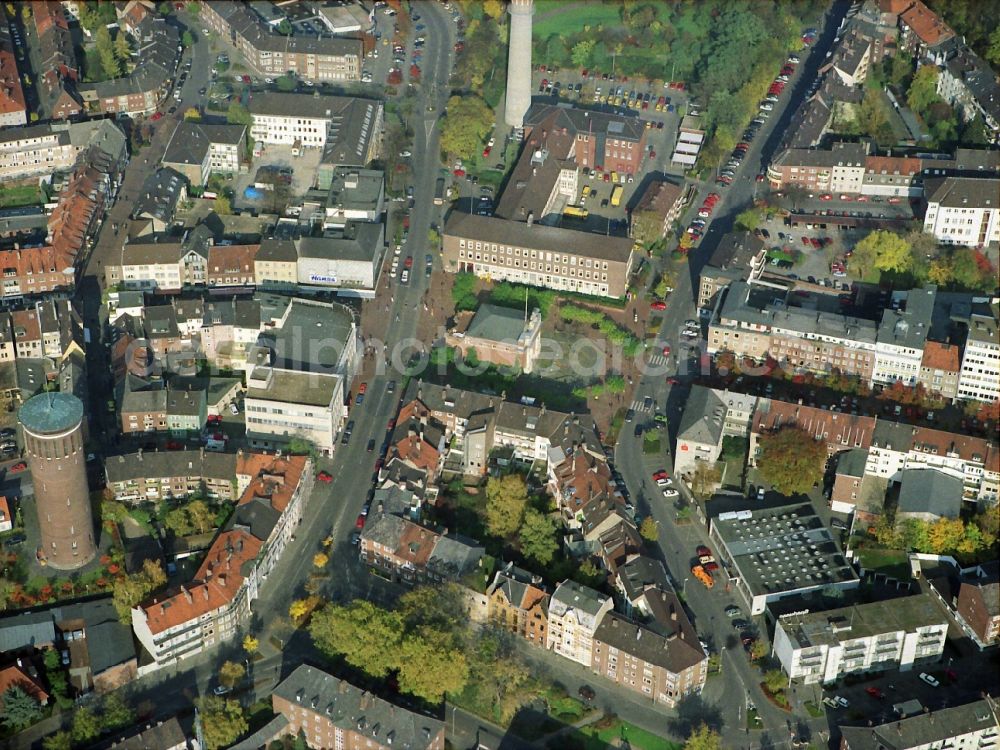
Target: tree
<point x="122" y="50"/>
<point x="703" y="738"/>
<point x="367" y="636"/>
<point x="945" y="535"/>
<point x="177" y="521"/>
<point x="106" y="53"/>
<point x="791" y="460"/>
<point x="61" y="740"/>
<point x="116" y="712"/>
<point x="993" y="51"/>
<point x="231" y="672"/>
<point x="494" y="9"/>
<point x="86" y="725"/>
<point x="129" y="590"/>
<point x="192" y="114"/>
<point x="758" y="650"/>
<point x="250" y="644"/>
<point x="506" y="499"/>
<point x="883" y="251"/>
<point x="538" y="537"/>
<point x="298" y="609"/>
<point x="320" y="559"/>
<point x="430" y="667"/>
<point x="775" y="680"/>
<point x="237" y="114"/>
<point x="287" y="82"/>
<point x="589" y="574"/>
<point x="923" y="90"/>
<point x="20" y="709"/>
<point x="969" y="272"/>
<point x="941" y="271"/>
<point x="705" y="478"/>
<point x="749" y="219"/>
<point x="649" y="529"/>
<point x="438" y="608"/>
<point x="200" y="515"/>
<point x="187" y="39"/>
<point x="222" y="721"/>
<point x="222" y="205"/>
<point x="468" y="121"/>
<point x="583" y="53"/>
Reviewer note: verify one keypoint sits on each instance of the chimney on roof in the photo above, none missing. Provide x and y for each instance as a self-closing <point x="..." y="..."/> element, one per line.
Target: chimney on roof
<point x="531" y="218"/>
<point x="204" y="592"/>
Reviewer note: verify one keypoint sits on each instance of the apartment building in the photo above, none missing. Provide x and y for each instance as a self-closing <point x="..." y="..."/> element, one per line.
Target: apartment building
<point x="186" y="412"/>
<point x="575" y="612"/>
<point x="963" y="210"/>
<point x="778" y="552"/>
<point x="170" y="475"/>
<point x="841" y="169"/>
<point x="939" y="369"/>
<point x="924" y="34"/>
<point x="977" y="606"/>
<point x="822" y="647"/>
<point x="604" y="140"/>
<point x="230" y="265"/>
<point x="198" y="150"/>
<point x="410" y="553"/>
<point x="332" y="713"/>
<point x="901" y="337"/>
<point x="969" y="85"/>
<point x="282" y="405"/>
<point x="852" y="59"/>
<point x="710" y="415"/>
<point x="664" y="667"/>
<point x="310" y="121"/>
<point x="36" y="149"/>
<point x="839" y="431"/>
<point x="276" y="264"/>
<point x="537" y="255"/>
<point x="13" y="109"/>
<point x="318" y="58"/>
<point x="972" y="726"/>
<point x="215" y="604"/>
<point x="739" y="256"/>
<point x="893" y="176"/>
<point x="897" y="447"/>
<point x="979" y="378"/>
<point x="518" y="603"/>
<point x="660" y="205"/>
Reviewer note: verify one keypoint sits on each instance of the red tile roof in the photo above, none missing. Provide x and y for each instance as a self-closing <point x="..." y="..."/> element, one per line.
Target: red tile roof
<point x="224" y="259"/>
<point x="926" y="24"/>
<point x="15" y="676"/>
<point x="11" y="93"/>
<point x="939" y="356"/>
<point x="416" y="451"/>
<point x="968" y="448"/>
<point x="892" y="165"/>
<point x="26" y="325"/>
<point x="840" y="431"/>
<point x="5" y="514"/>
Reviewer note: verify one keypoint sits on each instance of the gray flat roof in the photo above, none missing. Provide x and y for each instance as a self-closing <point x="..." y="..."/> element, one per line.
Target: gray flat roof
<point x="313" y="336"/>
<point x="496" y="323"/>
<point x="307" y="388"/>
<point x="783" y="549"/>
<point x="50" y="413"/>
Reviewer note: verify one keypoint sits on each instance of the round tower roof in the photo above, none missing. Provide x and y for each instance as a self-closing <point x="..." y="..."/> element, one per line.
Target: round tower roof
<point x="51" y="413"/>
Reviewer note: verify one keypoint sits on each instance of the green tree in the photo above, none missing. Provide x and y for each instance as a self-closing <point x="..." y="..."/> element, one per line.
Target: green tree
<point x="287" y="82"/>
<point x="222" y="721"/>
<point x="89" y="17"/>
<point x="791" y="460"/>
<point x="589" y="574"/>
<point x="122" y="50"/>
<point x="116" y="712"/>
<point x="250" y="644"/>
<point x="86" y="725"/>
<point x="200" y="515"/>
<point x="439" y="608"/>
<point x="967" y="272"/>
<point x="882" y="251"/>
<point x="649" y="529"/>
<point x="647" y="226"/>
<point x="467" y="123"/>
<point x="60" y="740"/>
<point x="367" y="636"/>
<point x="750" y="219"/>
<point x="497" y="670"/>
<point x="506" y="499"/>
<point x="583" y="53"/>
<point x="20" y="709"/>
<point x="923" y="90"/>
<point x="758" y="650"/>
<point x="284" y="28"/>
<point x="775" y="680"/>
<point x="187" y="39"/>
<point x="494" y="9"/>
<point x="177" y="521"/>
<point x="430" y="667"/>
<point x="237" y="114"/>
<point x="222" y="205"/>
<point x="539" y="537"/>
<point x="129" y="590"/>
<point x="231" y="672"/>
<point x="993" y="51"/>
<point x="106" y="52"/>
<point x="703" y="738"/>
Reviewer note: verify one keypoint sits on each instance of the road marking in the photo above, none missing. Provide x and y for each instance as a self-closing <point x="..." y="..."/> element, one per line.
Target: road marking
<point x="640" y="406"/>
<point x="658" y="360"/>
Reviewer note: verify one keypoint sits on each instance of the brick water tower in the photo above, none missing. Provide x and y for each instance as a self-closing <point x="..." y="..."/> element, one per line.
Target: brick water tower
<point x="53" y="441"/>
<point x="518" y="96"/>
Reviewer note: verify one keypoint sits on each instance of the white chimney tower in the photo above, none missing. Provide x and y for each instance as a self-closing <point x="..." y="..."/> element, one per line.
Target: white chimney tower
<point x="518" y="97"/>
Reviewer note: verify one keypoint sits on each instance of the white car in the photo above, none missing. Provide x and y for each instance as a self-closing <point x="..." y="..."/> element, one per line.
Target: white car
<point x="766" y="107"/>
<point x="932" y="681"/>
<point x="670" y="493"/>
<point x="842" y="701"/>
<point x="234" y="408"/>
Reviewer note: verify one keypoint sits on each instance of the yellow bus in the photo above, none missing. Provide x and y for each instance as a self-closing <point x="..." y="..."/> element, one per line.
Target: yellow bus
<point x="616" y="195"/>
<point x="578" y="211"/>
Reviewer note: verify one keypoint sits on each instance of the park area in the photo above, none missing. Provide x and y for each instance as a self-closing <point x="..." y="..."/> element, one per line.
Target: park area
<point x="16" y="196"/>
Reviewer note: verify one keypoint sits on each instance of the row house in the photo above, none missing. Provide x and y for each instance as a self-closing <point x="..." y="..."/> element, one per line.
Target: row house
<point x="839" y="431"/>
<point x="518" y="603"/>
<point x="841" y="169"/>
<point x="58" y="70"/>
<point x="575" y="612"/>
<point x="411" y="553"/>
<point x="230" y="265"/>
<point x="142" y="406"/>
<point x="13" y="109"/>
<point x="939" y="369"/>
<point x="924" y="34"/>
<point x="891" y="634"/>
<point x="901" y="338"/>
<point x="977" y="605"/>
<point x="51" y="328"/>
<point x="146" y="476"/>
<point x="896" y="447"/>
<point x="215" y="605"/>
<point x="969" y="85"/>
<point x="972" y="725"/>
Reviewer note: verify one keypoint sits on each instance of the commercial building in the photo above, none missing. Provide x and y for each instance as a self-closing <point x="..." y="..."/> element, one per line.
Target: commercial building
<point x="604" y="140"/>
<point x="888" y="634"/>
<point x="901" y="337"/>
<point x="537" y="255"/>
<point x="973" y="726"/>
<point x="664" y="667"/>
<point x="963" y="210"/>
<point x="355" y="195"/>
<point x="778" y="552"/>
<point x="979" y="378"/>
<point x="347" y="260"/>
<point x="709" y="416"/>
<point x="575" y="612"/>
<point x="331" y="712"/>
<point x="216" y="604"/>
<point x="318" y="58"/>
<point x="350" y="125"/>
<point x="283" y="405"/>
<point x="198" y="150"/>
<point x="53" y="443"/>
<point x="501" y="336"/>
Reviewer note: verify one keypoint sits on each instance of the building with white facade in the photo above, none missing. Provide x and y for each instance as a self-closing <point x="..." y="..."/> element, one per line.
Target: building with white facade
<point x="973" y="726"/>
<point x="355" y="195"/>
<point x="347" y="259"/>
<point x="969" y="85"/>
<point x="282" y="405"/>
<point x="902" y="334"/>
<point x="886" y="634"/>
<point x="979" y="378"/>
<point x="963" y="210"/>
<point x="575" y="611"/>
<point x="197" y="150"/>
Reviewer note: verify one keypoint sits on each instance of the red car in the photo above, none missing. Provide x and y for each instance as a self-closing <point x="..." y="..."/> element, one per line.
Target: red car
<point x="805" y="241"/>
<point x="711" y="566"/>
<point x="214" y="419"/>
<point x="390" y="425"/>
<point x="486" y="151"/>
<point x="672" y="381"/>
<point x="661" y="474"/>
<point x="702" y="550"/>
<point x="666" y="351"/>
<point x="659" y="305"/>
<point x="459" y="173"/>
<point x="363" y="388"/>
<point x="360" y="523"/>
<point x="19" y="466"/>
<point x="325" y="476"/>
<point x="874" y="692"/>
<point x="408" y="263"/>
<point x="826" y="197"/>
<point x="156" y="116"/>
<point x="245" y="79"/>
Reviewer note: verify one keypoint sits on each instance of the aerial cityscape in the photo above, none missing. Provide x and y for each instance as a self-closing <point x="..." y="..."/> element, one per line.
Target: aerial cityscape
<point x="500" y="374"/>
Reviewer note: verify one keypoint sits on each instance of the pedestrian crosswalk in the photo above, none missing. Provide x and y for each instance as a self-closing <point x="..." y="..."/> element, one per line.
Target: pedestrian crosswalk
<point x="658" y="360"/>
<point x="638" y="405"/>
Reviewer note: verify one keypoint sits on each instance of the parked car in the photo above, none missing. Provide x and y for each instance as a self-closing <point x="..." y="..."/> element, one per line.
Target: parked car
<point x="929" y="679"/>
<point x="325" y="476"/>
<point x="587" y="693"/>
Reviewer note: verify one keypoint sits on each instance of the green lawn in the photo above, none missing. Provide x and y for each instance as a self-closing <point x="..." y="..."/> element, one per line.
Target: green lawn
<point x="890" y="562"/>
<point x="20" y="195"/>
<point x="560" y="17"/>
<point x="639" y="739"/>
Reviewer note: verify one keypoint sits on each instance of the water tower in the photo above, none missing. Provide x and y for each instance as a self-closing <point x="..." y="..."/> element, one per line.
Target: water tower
<point x="518" y="97"/>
